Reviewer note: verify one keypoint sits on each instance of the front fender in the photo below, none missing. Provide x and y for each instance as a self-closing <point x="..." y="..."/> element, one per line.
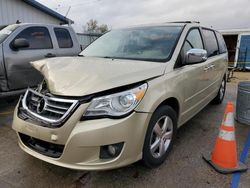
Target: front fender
<point x="160" y="89"/>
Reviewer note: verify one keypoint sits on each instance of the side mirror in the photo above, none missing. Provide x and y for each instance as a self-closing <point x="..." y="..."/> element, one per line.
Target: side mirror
<point x="20" y="43"/>
<point x="195" y="56"/>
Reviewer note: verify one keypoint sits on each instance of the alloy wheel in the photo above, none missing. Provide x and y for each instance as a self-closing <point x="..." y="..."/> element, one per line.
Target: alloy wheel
<point x="161" y="136"/>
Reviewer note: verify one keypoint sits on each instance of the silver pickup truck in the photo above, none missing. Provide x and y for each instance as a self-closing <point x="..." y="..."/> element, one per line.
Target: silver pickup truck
<point x="22" y="43"/>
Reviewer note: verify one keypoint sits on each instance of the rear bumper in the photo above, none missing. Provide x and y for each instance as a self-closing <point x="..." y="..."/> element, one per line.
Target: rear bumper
<point x="82" y="140"/>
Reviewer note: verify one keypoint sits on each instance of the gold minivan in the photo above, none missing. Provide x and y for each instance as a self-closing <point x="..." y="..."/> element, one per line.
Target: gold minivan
<point x="123" y="98"/>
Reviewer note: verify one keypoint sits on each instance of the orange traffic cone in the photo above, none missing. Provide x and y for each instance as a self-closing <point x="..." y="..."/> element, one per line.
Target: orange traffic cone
<point x="224" y="156"/>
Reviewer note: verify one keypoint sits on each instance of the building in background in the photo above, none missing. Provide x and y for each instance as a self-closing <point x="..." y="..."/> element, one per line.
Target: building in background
<point x="29" y="11"/>
<point x="238" y="45"/>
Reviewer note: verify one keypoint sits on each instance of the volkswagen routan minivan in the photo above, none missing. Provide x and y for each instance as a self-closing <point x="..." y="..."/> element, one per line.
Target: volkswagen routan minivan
<point x="123" y="98"/>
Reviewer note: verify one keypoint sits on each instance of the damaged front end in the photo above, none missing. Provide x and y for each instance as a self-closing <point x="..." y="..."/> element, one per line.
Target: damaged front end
<point x="74" y="129"/>
<point x="40" y="106"/>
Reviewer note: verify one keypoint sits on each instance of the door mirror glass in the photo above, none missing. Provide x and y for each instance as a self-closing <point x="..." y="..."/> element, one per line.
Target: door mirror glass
<point x="20" y="43"/>
<point x="195" y="56"/>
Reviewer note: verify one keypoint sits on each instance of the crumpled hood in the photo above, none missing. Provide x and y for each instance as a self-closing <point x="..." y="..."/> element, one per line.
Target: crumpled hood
<point x="79" y="76"/>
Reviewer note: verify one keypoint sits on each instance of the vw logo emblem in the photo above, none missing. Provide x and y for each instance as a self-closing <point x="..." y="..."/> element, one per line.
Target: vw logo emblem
<point x="41" y="106"/>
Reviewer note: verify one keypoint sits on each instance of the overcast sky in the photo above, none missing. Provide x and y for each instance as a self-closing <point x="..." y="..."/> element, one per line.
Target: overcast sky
<point x="219" y="14"/>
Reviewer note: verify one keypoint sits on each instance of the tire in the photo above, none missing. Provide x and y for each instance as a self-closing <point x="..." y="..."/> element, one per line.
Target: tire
<point x="159" y="142"/>
<point x="221" y="93"/>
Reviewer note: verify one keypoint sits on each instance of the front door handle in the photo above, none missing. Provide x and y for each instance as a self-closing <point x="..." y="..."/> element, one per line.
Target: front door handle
<point x="212" y="66"/>
<point x="48" y="55"/>
<point x="206" y="69"/>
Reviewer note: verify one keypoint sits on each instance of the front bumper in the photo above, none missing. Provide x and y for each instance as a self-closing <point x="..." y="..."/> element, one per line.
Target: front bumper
<point x="82" y="140"/>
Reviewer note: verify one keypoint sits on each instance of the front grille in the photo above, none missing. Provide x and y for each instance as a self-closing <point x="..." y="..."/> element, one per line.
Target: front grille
<point x="47" y="108"/>
<point x="45" y="148"/>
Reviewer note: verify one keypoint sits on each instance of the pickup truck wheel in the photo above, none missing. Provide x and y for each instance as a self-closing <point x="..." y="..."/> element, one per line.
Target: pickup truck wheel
<point x="160" y="136"/>
<point x="221" y="93"/>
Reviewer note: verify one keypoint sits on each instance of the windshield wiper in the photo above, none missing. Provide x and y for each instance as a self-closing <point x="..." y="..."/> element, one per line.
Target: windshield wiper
<point x="80" y="55"/>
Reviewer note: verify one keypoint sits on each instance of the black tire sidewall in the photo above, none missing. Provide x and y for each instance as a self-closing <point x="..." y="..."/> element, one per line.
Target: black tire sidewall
<point x="147" y="158"/>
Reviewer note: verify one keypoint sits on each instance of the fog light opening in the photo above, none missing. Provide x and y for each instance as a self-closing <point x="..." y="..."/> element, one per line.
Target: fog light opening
<point x="111" y="151"/>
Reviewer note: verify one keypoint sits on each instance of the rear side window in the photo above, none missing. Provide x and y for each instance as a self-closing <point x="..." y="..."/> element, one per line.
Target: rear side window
<point x="211" y="42"/>
<point x="221" y="42"/>
<point x="63" y="38"/>
<point x="38" y="37"/>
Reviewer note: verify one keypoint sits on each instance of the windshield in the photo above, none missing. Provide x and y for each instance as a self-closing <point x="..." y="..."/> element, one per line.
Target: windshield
<point x="6" y="31"/>
<point x="155" y="43"/>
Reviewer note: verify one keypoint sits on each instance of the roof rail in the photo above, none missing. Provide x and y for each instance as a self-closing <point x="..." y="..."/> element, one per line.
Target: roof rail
<point x="185" y="22"/>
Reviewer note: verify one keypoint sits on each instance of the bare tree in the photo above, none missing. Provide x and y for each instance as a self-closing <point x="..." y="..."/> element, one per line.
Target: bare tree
<point x="92" y="26"/>
<point x="103" y="28"/>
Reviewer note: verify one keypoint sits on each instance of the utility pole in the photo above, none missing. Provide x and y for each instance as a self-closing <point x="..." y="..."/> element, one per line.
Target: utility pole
<point x="69" y="21"/>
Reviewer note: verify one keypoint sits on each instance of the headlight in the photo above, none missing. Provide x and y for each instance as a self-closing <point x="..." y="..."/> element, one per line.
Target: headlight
<point x="117" y="104"/>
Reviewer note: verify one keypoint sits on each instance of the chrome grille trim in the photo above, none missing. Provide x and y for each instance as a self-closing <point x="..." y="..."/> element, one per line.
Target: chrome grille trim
<point x="53" y="104"/>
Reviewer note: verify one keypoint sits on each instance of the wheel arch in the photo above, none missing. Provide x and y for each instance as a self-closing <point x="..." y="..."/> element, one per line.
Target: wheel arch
<point x="173" y="103"/>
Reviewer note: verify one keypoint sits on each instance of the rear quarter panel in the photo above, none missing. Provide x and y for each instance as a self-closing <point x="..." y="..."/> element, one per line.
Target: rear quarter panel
<point x="221" y="68"/>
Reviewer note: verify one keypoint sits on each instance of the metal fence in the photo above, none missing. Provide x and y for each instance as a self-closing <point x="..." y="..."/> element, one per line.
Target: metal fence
<point x="87" y="38"/>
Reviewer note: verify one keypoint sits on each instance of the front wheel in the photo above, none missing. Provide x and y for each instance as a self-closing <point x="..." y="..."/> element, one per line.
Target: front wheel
<point x="159" y="137"/>
<point x="221" y="93"/>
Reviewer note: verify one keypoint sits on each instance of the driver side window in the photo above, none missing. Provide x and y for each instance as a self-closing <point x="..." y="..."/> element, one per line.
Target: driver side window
<point x="38" y="37"/>
<point x="193" y="40"/>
